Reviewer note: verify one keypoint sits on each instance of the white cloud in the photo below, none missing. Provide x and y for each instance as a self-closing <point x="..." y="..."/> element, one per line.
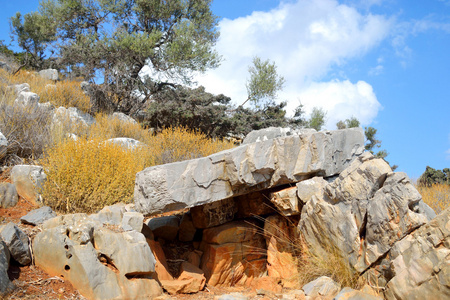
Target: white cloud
<point x="341" y="100"/>
<point x="306" y="39"/>
<point x="376" y="70"/>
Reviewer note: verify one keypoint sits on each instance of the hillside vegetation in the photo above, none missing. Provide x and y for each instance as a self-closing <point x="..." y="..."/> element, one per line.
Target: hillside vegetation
<point x="86" y="173"/>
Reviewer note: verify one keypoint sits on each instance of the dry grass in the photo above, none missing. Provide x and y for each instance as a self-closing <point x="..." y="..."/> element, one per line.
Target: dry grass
<point x="61" y="93"/>
<point x="86" y="175"/>
<point x="107" y="127"/>
<point x="177" y="144"/>
<point x="436" y="196"/>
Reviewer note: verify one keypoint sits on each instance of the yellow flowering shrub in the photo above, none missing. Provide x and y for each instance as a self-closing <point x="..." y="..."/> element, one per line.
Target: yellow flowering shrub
<point x="436" y="196"/>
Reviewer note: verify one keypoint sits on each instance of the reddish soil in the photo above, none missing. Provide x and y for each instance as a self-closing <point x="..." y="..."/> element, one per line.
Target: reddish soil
<point x="30" y="281"/>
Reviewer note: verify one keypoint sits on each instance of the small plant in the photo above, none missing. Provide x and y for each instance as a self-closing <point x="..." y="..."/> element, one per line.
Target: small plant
<point x="437" y="196"/>
<point x="86" y="175"/>
<point x="177" y="144"/>
<point x="27" y="129"/>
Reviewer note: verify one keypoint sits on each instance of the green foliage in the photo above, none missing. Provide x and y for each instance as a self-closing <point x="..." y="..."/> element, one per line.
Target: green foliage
<point x="432" y="176"/>
<point x="191" y="108"/>
<point x="317" y="119"/>
<point x="264" y="83"/>
<point x="34" y="33"/>
<point x="348" y="123"/>
<point x="117" y="39"/>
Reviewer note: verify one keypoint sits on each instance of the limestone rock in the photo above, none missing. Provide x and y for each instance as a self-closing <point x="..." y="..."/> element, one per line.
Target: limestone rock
<point x="18" y="88"/>
<point x="17" y="242"/>
<point x="3" y="140"/>
<point x="28" y="99"/>
<point x="38" y="216"/>
<point x="253" y="204"/>
<point x="5" y="66"/>
<point x="126" y="143"/>
<point x="187" y="230"/>
<point x="213" y="214"/>
<point x="419" y="264"/>
<point x="351" y="294"/>
<point x="191" y="280"/>
<point x="61" y="115"/>
<point x="362" y="213"/>
<point x="266" y="134"/>
<point x="49" y="74"/>
<point x="5" y="283"/>
<point x="111" y="215"/>
<point x="286" y="201"/>
<point x="281" y="250"/>
<point x="322" y="286"/>
<point x="273" y="133"/>
<point x="241" y="170"/>
<point x="233" y="254"/>
<point x="8" y="195"/>
<point x="164" y="227"/>
<point x="161" y="266"/>
<point x="99" y="263"/>
<point x="128" y="251"/>
<point x="132" y="221"/>
<point x="123" y="117"/>
<point x="306" y="189"/>
<point x="29" y="181"/>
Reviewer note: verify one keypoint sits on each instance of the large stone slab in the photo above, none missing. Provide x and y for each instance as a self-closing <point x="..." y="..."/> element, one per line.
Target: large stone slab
<point x="245" y="169"/>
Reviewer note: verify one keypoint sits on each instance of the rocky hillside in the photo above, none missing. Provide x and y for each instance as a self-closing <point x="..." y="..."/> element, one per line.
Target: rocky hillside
<point x="292" y="215"/>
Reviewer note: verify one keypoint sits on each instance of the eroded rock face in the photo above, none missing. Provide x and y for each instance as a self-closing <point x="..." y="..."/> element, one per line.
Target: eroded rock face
<point x="233" y="254"/>
<point x="5" y="283"/>
<point x="8" y="195"/>
<point x="17" y="242"/>
<point x="244" y="169"/>
<point x="418" y="266"/>
<point x="29" y="181"/>
<point x="362" y="213"/>
<point x="100" y="263"/>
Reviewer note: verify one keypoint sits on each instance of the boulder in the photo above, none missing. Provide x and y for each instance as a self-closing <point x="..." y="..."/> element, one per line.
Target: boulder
<point x="351" y="294"/>
<point x="213" y="214"/>
<point x="282" y="250"/>
<point x="362" y="213"/>
<point x="123" y="117"/>
<point x="129" y="252"/>
<point x="161" y="266"/>
<point x="49" y="74"/>
<point x="18" y="88"/>
<point x="273" y="133"/>
<point x="28" y="180"/>
<point x="110" y="215"/>
<point x="3" y="141"/>
<point x="418" y="266"/>
<point x="6" y="285"/>
<point x="8" y="195"/>
<point x="98" y="262"/>
<point x="17" y="242"/>
<point x="248" y="168"/>
<point x="191" y="280"/>
<point x="306" y="189"/>
<point x="38" y="216"/>
<point x="132" y="221"/>
<point x="5" y="66"/>
<point x="61" y="115"/>
<point x="126" y="143"/>
<point x="28" y="99"/>
<point x="164" y="227"/>
<point x="286" y="201"/>
<point x="233" y="254"/>
<point x="323" y="286"/>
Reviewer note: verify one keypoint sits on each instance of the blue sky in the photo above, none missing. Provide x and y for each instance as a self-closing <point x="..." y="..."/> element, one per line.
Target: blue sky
<point x="385" y="62"/>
